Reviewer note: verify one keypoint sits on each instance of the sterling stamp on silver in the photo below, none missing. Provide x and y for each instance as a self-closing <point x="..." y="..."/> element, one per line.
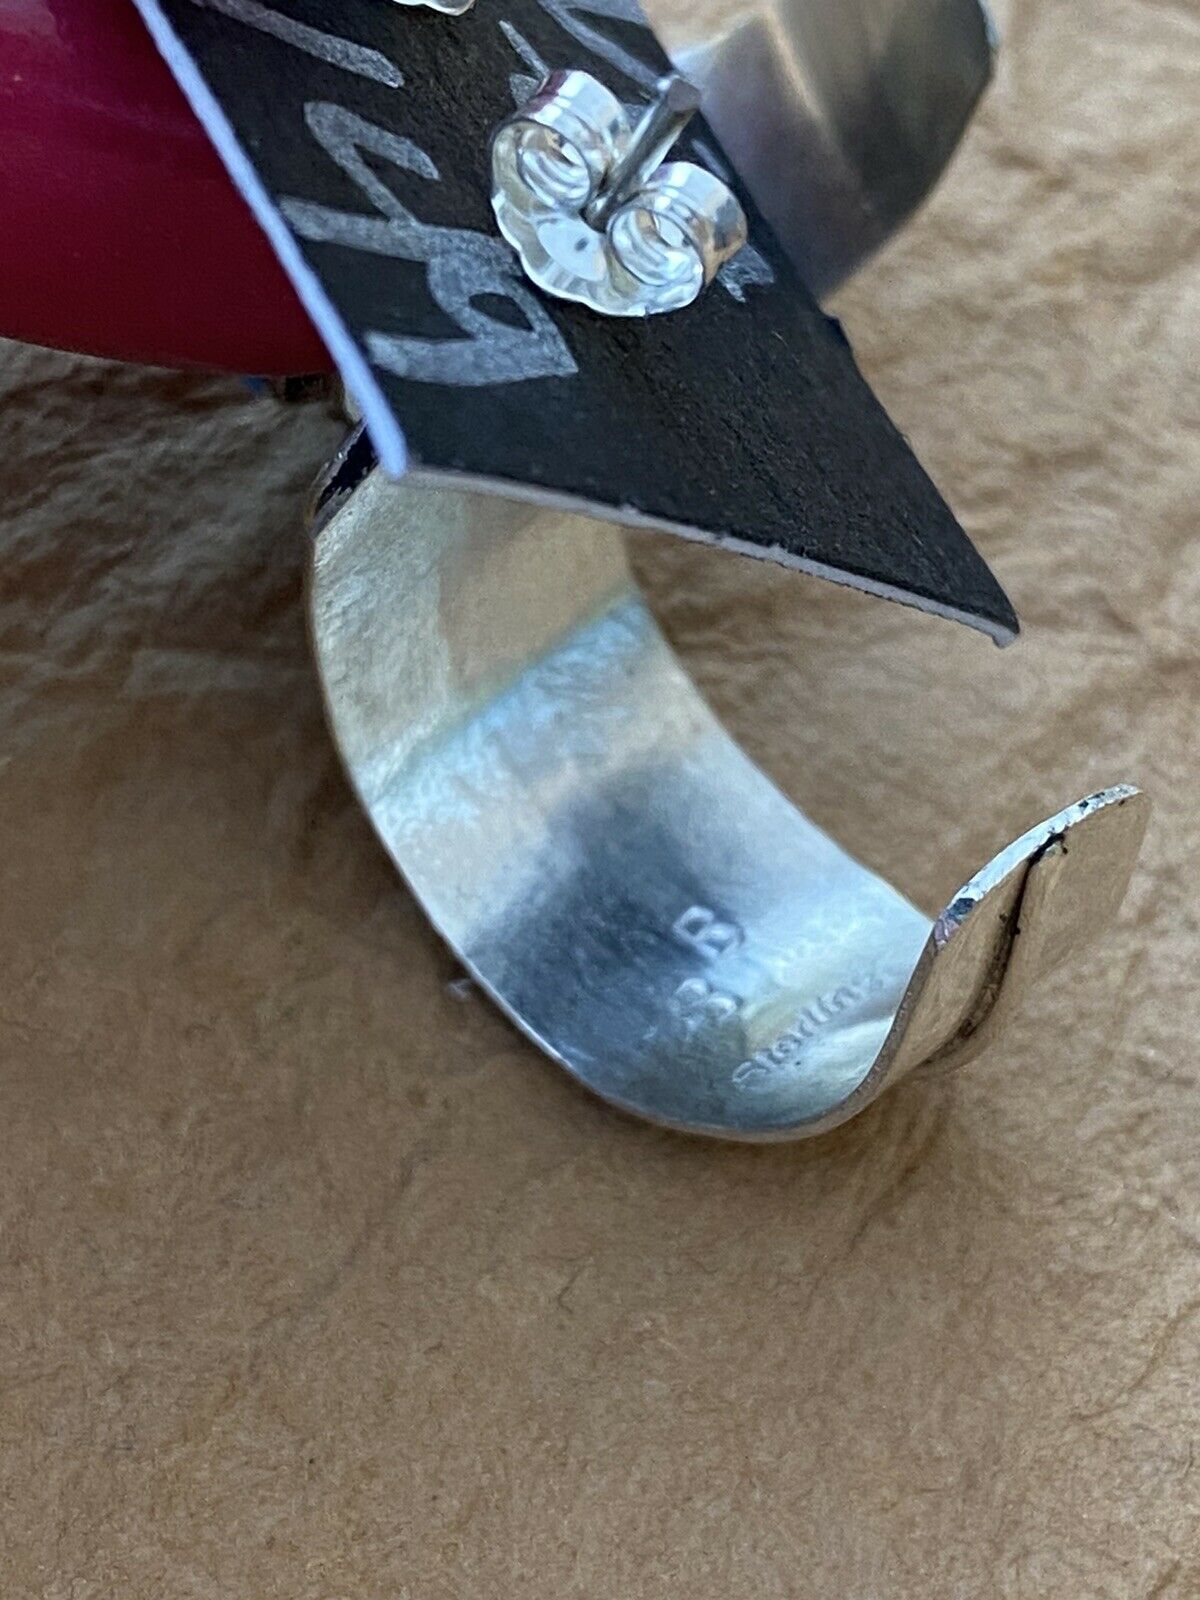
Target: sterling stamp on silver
<point x="489" y="230"/>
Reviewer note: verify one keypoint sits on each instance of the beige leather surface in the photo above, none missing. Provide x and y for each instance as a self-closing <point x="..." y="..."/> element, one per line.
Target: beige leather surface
<point x="317" y="1282"/>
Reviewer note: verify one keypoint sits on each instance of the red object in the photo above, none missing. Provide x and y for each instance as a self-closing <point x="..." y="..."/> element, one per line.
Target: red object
<point x="120" y="232"/>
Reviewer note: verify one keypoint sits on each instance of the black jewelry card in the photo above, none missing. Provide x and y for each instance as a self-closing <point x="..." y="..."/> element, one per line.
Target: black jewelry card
<point x="359" y="132"/>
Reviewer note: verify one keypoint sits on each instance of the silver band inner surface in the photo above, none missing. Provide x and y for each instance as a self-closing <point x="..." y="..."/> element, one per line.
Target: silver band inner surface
<point x="634" y="893"/>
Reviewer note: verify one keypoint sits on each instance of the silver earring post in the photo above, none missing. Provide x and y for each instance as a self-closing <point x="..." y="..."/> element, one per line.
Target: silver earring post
<point x="661" y="124"/>
<point x="595" y="213"/>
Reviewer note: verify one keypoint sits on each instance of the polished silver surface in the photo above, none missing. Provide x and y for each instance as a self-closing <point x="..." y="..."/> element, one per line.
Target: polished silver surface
<point x="664" y="119"/>
<point x="448" y="8"/>
<point x="593" y="212"/>
<point x="633" y="892"/>
<point x="839" y="115"/>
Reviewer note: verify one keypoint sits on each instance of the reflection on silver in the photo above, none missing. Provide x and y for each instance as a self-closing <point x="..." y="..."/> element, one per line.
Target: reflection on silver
<point x="659" y="126"/>
<point x="631" y="890"/>
<point x="592" y="211"/>
<point x="839" y="115"/>
<point x="448" y="8"/>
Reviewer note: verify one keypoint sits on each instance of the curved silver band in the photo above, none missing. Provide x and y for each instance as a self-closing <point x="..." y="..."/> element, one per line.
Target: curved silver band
<point x="608" y="864"/>
<point x="839" y="115"/>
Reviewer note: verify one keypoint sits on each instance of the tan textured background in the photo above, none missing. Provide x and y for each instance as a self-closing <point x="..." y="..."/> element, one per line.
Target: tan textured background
<point x="315" y="1282"/>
